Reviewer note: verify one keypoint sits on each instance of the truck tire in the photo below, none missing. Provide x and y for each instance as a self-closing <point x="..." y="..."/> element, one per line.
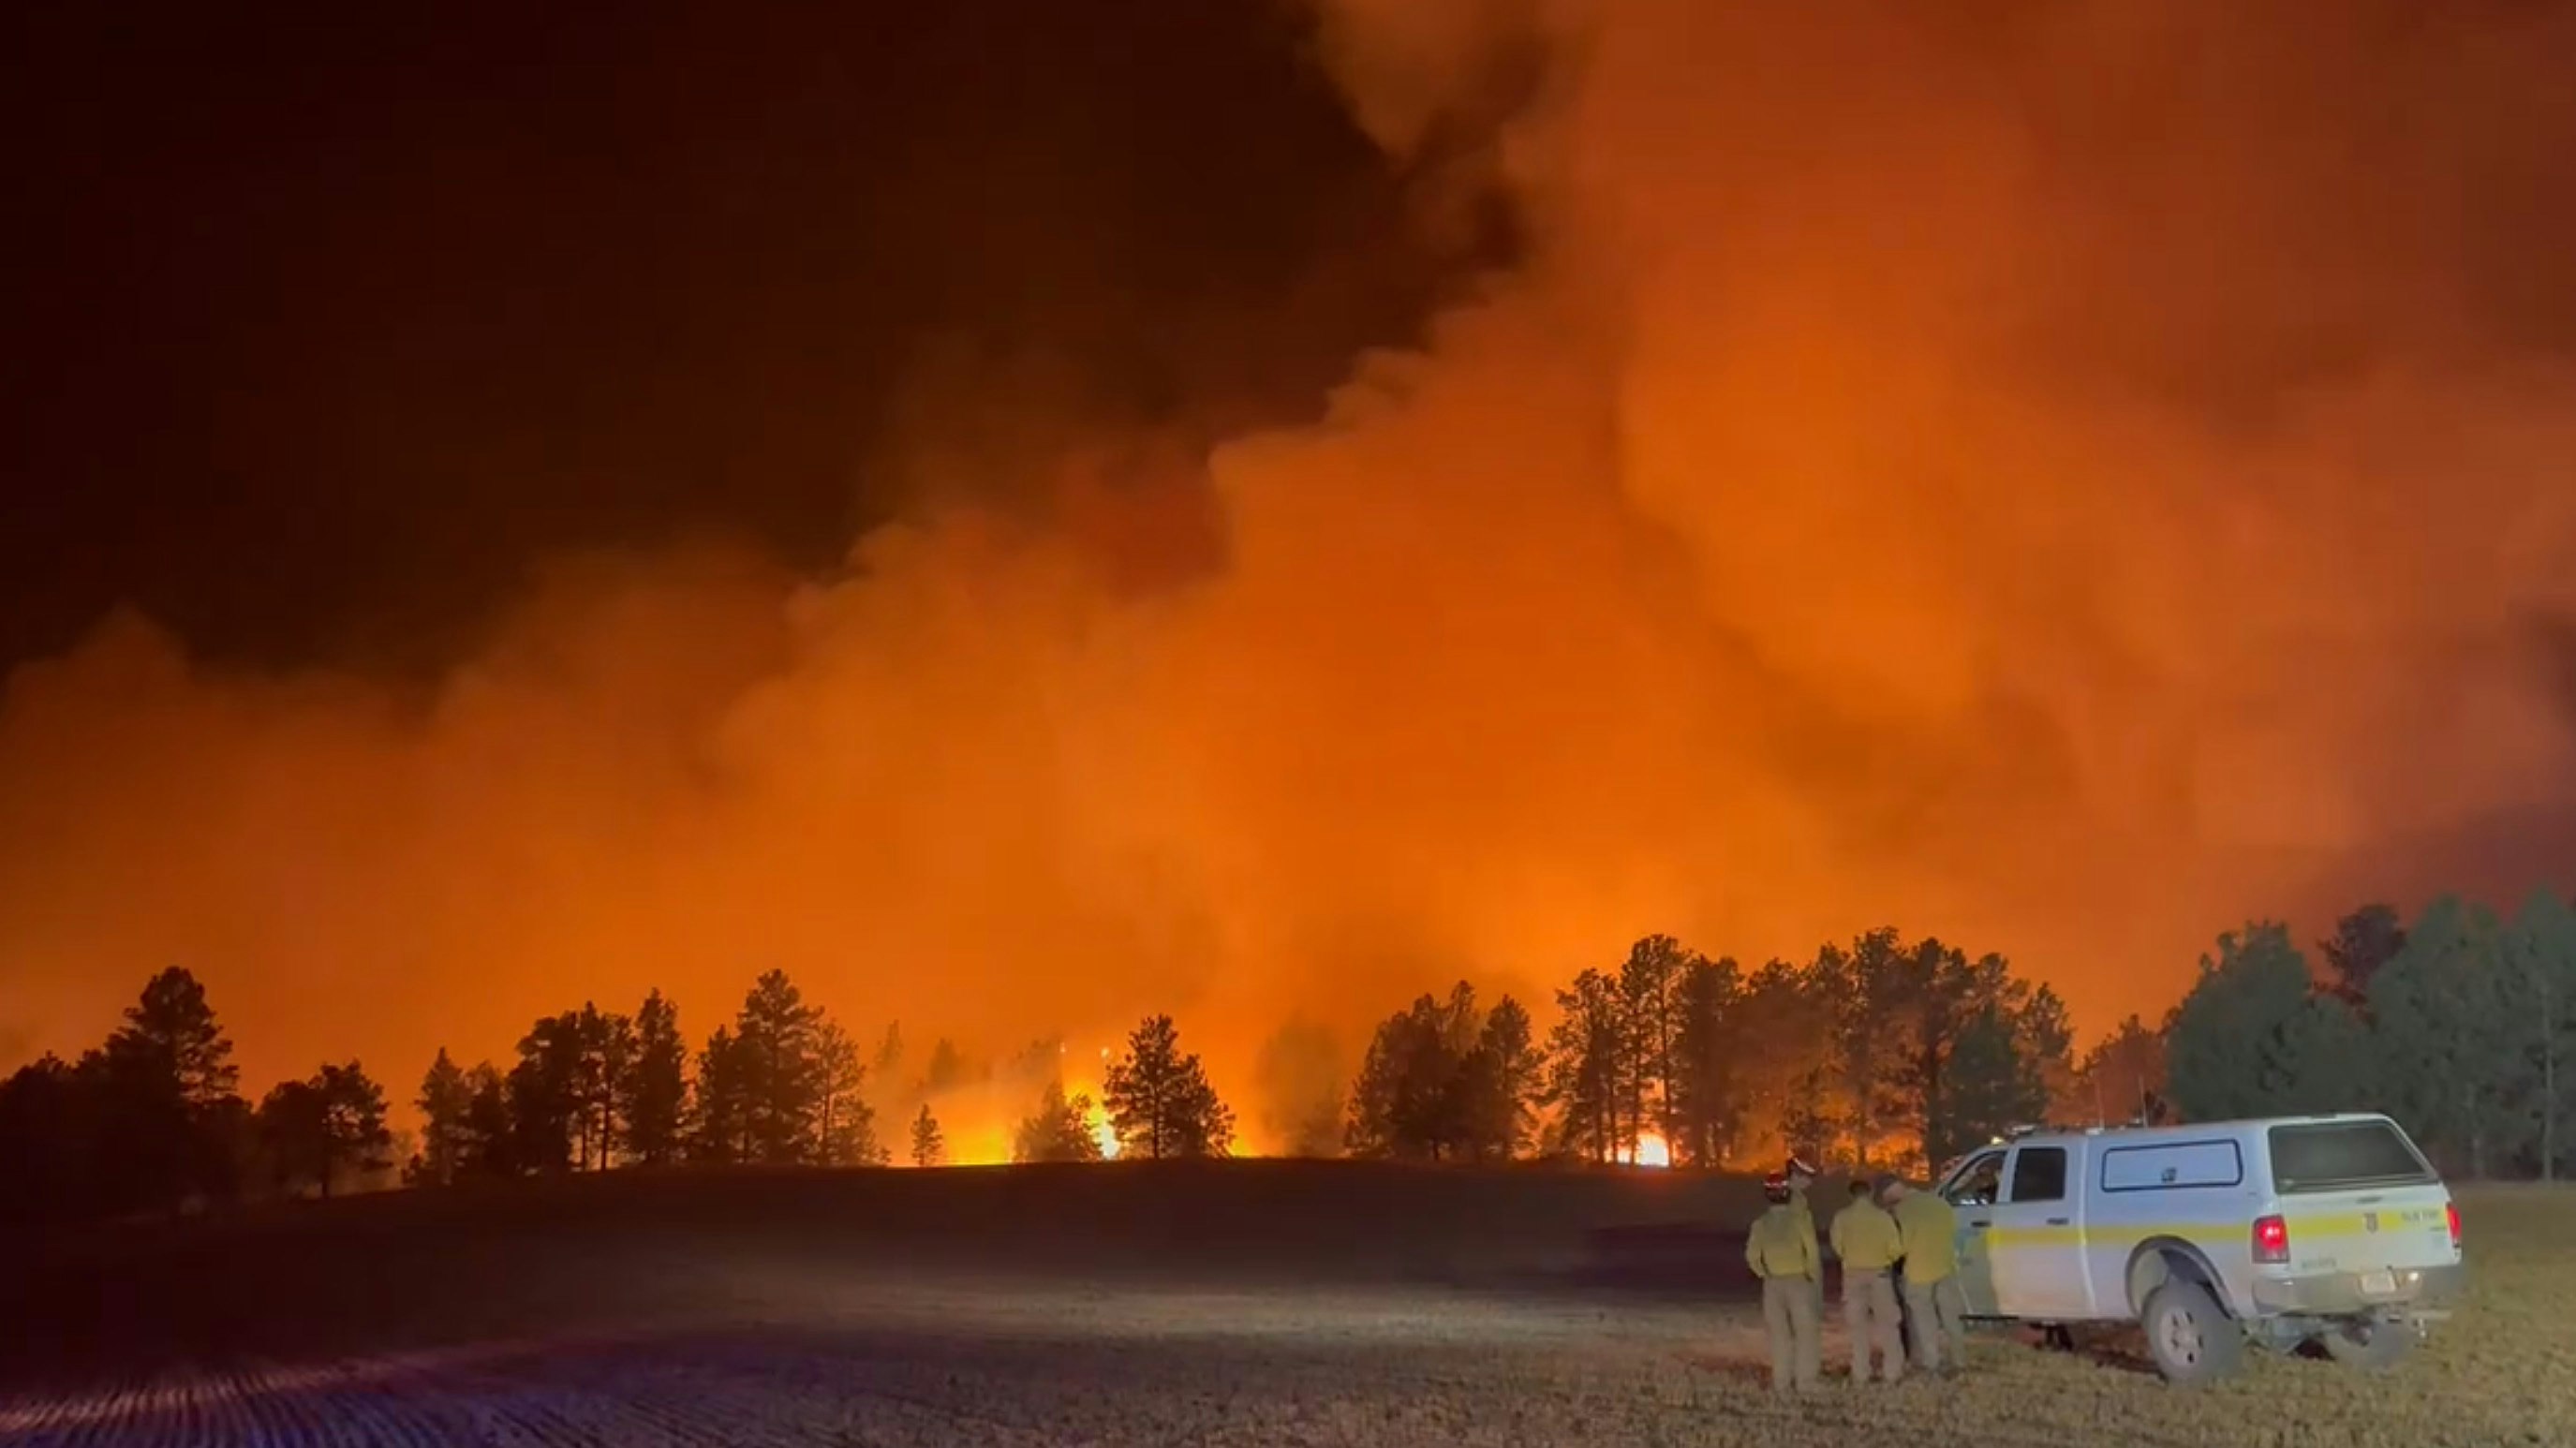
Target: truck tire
<point x="2368" y="1346"/>
<point x="2191" y="1341"/>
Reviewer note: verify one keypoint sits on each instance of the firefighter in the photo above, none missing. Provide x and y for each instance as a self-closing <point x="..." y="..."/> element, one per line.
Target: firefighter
<point x="1929" y="1230"/>
<point x="1866" y="1239"/>
<point x="1781" y="1250"/>
<point x="1800" y="1177"/>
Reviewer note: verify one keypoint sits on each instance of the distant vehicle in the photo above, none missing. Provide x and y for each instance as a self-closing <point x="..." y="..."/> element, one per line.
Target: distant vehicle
<point x="2280" y="1232"/>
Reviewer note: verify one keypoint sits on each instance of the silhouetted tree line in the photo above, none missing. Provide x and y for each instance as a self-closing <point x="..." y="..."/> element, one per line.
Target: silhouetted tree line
<point x="1877" y="1053"/>
<point x="151" y="1121"/>
<point x="781" y="1084"/>
<point x="2459" y="1027"/>
<point x="1884" y="1053"/>
<point x="778" y="1085"/>
<point x="1880" y="1053"/>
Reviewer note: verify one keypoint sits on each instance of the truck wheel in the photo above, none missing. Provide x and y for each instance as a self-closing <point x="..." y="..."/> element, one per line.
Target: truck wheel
<point x="2190" y="1339"/>
<point x="2367" y="1345"/>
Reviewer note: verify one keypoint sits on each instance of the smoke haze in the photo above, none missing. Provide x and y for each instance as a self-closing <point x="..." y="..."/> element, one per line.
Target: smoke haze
<point x="2060" y="477"/>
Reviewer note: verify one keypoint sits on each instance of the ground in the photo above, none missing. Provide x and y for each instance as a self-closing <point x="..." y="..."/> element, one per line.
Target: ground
<point x="1245" y="1303"/>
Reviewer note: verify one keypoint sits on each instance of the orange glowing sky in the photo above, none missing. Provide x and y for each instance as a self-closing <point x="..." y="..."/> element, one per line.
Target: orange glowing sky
<point x="2029" y="482"/>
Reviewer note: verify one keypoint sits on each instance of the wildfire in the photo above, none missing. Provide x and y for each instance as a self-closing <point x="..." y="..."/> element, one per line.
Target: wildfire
<point x="1098" y="1117"/>
<point x="988" y="1147"/>
<point x="1652" y="1150"/>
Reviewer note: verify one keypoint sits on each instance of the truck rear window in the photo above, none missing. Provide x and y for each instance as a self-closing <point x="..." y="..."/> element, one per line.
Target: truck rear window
<point x="2331" y="1156"/>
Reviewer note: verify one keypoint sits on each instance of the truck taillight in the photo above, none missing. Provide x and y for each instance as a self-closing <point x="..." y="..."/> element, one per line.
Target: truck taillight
<point x="2271" y="1241"/>
<point x="2452" y="1210"/>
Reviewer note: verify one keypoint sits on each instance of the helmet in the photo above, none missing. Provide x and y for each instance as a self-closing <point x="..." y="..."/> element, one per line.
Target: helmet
<point x="1797" y="1168"/>
<point x="1775" y="1187"/>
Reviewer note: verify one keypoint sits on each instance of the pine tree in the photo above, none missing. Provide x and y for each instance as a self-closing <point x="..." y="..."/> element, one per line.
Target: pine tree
<point x="491" y="1145"/>
<point x="1707" y="1055"/>
<point x="166" y="1082"/>
<point x="547" y="1106"/>
<point x="171" y="1034"/>
<point x="656" y="1092"/>
<point x="719" y="1130"/>
<point x="605" y="1043"/>
<point x="446" y="1134"/>
<point x="929" y="1147"/>
<point x="2044" y="1034"/>
<point x="1876" y="991"/>
<point x="1499" y="1080"/>
<point x="289" y="1126"/>
<point x="2123" y="1077"/>
<point x="1159" y="1100"/>
<point x="845" y="1125"/>
<point x="1409" y="1101"/>
<point x="2444" y="1014"/>
<point x="1788" y="1084"/>
<point x="1440" y="1104"/>
<point x="2540" y="968"/>
<point x="1585" y="1068"/>
<point x="2251" y="1040"/>
<point x="1990" y="1085"/>
<point x="1650" y="1008"/>
<point x="1374" y="1130"/>
<point x="354" y="1140"/>
<point x="1059" y="1130"/>
<point x="325" y="1128"/>
<point x="777" y="1042"/>
<point x="1935" y="991"/>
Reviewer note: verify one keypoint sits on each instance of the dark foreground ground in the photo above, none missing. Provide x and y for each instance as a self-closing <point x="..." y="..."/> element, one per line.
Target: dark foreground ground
<point x="1243" y="1303"/>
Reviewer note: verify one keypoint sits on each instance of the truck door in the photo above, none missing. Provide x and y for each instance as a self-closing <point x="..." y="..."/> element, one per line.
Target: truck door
<point x="1972" y="1192"/>
<point x="2037" y="1241"/>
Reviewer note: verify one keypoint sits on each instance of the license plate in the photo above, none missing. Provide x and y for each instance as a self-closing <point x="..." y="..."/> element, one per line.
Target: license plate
<point x="2379" y="1284"/>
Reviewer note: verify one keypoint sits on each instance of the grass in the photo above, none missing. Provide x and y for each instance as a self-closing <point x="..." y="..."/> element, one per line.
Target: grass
<point x="1254" y="1303"/>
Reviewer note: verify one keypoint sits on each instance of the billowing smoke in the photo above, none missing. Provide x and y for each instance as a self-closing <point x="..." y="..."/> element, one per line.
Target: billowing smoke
<point x="2060" y="476"/>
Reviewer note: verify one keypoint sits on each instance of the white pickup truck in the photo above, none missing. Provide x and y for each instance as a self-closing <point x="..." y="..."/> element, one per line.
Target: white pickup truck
<point x="2279" y="1232"/>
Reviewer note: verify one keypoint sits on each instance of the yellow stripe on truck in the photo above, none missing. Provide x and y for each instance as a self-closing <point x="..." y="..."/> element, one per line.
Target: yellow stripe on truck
<point x="2038" y="1236"/>
<point x="2358" y="1224"/>
<point x="2208" y="1234"/>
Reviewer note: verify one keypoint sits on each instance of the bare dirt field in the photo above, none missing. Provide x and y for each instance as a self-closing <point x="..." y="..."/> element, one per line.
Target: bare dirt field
<point x="1244" y="1303"/>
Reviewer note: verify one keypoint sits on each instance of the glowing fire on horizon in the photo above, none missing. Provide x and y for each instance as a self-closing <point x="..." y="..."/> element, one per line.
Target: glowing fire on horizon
<point x="1652" y="1150"/>
<point x="981" y="1119"/>
<point x="1098" y="1118"/>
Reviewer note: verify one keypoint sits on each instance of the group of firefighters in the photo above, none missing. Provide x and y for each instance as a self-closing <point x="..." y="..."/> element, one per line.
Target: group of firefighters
<point x="1888" y="1224"/>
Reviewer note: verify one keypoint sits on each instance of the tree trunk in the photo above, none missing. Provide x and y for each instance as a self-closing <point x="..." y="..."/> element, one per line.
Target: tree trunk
<point x="2549" y="1108"/>
<point x="2548" y="1078"/>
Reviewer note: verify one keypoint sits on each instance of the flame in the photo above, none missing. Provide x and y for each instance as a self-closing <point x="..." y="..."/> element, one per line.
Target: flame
<point x="1101" y="1130"/>
<point x="1652" y="1150"/>
<point x="1097" y="1117"/>
<point x="988" y="1147"/>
